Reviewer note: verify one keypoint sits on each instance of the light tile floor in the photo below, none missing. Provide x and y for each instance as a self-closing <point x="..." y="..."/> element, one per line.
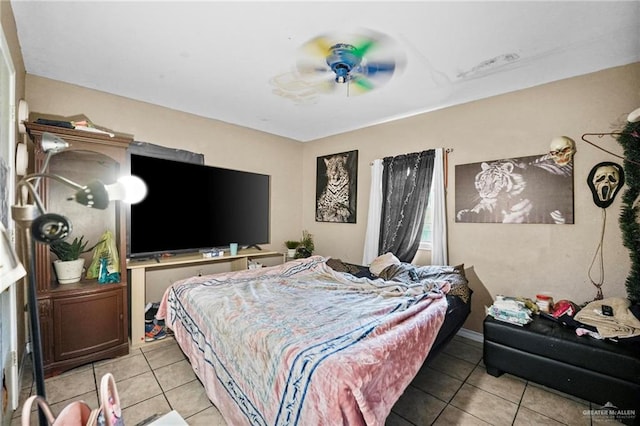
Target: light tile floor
<point x="454" y="389"/>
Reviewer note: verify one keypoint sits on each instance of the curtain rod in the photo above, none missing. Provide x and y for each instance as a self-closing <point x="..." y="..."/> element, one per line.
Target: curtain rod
<point x="446" y="150"/>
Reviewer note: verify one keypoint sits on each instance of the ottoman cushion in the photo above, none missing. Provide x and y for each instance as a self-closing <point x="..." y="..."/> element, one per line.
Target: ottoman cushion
<point x="548" y="353"/>
<point x="551" y="339"/>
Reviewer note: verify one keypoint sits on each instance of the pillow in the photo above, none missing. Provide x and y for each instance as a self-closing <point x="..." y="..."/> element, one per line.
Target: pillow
<point x="337" y="265"/>
<point x="381" y="262"/>
<point x="460" y="269"/>
<point x="350" y="268"/>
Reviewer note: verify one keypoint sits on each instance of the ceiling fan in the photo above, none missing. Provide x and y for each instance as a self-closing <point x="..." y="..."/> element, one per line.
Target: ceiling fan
<point x="365" y="61"/>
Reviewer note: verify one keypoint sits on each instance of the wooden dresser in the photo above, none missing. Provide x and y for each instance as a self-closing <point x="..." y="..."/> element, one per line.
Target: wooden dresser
<point x="85" y="321"/>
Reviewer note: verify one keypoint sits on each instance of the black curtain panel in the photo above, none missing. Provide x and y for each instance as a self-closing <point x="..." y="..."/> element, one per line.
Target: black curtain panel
<point x="406" y="182"/>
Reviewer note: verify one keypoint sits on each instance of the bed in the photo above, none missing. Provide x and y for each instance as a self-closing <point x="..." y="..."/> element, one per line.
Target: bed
<point x="315" y="340"/>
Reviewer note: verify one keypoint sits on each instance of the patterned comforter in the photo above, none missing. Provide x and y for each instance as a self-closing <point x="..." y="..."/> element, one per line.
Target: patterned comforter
<point x="303" y="344"/>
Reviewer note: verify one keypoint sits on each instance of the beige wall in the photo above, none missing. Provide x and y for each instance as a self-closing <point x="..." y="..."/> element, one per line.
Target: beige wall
<point x="500" y="259"/>
<point x="517" y="260"/>
<point x="222" y="144"/>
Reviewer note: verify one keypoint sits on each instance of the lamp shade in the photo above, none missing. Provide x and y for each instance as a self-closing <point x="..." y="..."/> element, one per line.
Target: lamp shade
<point x="52" y="143"/>
<point x="50" y="227"/>
<point x="94" y="195"/>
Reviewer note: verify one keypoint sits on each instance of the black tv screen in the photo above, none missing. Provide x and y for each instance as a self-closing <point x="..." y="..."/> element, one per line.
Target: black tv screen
<point x="193" y="207"/>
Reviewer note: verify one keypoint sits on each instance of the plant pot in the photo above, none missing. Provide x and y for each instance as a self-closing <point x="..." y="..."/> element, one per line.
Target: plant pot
<point x="69" y="271"/>
<point x="291" y="253"/>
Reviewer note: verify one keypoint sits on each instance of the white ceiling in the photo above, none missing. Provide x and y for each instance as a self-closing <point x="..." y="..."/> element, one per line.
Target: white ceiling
<point x="236" y="61"/>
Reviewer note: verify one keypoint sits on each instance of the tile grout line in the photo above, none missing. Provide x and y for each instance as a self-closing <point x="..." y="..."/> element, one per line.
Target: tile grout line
<point x="153" y="371"/>
<point x="96" y="365"/>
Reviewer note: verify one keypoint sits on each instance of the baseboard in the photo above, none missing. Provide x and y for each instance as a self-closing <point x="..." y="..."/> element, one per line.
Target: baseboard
<point x="471" y="335"/>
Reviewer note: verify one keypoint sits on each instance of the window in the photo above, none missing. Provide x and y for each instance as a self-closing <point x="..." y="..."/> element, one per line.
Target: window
<point x="425" y="239"/>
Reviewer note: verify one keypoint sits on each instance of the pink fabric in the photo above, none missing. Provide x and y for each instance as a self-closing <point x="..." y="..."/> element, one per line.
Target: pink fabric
<point x="302" y="344"/>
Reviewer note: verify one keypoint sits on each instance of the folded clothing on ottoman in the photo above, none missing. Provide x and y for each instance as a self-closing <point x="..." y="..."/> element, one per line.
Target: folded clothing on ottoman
<point x="622" y="324"/>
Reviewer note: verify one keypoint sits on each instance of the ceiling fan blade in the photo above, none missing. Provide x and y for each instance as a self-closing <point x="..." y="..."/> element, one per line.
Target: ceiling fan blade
<point x="362" y="83"/>
<point x="365" y="61"/>
<point x="373" y="68"/>
<point x="364" y="47"/>
<point x="312" y="67"/>
<point x="319" y="46"/>
<point x="327" y="86"/>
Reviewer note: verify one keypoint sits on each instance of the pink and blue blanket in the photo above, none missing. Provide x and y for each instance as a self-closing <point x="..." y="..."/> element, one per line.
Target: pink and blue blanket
<point x="301" y="344"/>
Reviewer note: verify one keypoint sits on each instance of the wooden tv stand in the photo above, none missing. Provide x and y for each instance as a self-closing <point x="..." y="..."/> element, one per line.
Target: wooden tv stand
<point x="138" y="270"/>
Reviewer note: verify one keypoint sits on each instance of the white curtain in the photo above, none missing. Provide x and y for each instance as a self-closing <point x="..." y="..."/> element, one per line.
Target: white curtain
<point x="439" y="225"/>
<point x="372" y="236"/>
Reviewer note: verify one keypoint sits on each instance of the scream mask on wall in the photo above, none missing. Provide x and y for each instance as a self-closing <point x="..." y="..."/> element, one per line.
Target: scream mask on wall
<point x="605" y="180"/>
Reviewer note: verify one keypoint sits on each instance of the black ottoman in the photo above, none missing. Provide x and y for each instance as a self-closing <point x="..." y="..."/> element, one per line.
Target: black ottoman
<point x="548" y="353"/>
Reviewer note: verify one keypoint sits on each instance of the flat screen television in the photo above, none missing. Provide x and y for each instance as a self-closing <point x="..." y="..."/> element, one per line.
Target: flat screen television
<point x="193" y="207"/>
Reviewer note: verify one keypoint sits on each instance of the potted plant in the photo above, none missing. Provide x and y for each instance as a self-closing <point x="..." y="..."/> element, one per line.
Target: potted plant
<point x="69" y="264"/>
<point x="306" y="247"/>
<point x="291" y="248"/>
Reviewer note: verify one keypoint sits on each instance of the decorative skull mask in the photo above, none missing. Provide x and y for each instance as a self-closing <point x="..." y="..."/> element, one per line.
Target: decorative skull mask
<point x="562" y="149"/>
<point x="605" y="180"/>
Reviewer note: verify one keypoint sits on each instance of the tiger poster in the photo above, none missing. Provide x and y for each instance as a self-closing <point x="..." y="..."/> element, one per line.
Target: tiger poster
<point x="534" y="189"/>
<point x="336" y="184"/>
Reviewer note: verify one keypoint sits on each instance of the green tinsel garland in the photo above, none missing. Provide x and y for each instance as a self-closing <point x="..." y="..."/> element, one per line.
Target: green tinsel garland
<point x="630" y="141"/>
